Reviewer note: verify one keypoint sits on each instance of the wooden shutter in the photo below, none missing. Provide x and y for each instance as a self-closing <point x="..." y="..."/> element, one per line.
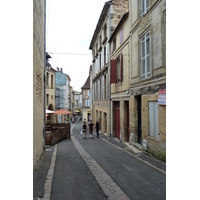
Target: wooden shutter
<point x="153" y="120"/>
<point x="113" y="71"/>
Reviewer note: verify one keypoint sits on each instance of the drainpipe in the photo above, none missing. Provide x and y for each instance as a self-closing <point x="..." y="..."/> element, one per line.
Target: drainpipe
<point x="109" y="70"/>
<point x="44" y="125"/>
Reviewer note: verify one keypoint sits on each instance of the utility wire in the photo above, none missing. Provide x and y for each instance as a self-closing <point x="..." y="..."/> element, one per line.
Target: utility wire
<point x="84" y="54"/>
<point x="81" y="54"/>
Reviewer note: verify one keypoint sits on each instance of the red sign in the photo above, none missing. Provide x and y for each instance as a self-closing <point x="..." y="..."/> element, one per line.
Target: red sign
<point x="162" y="97"/>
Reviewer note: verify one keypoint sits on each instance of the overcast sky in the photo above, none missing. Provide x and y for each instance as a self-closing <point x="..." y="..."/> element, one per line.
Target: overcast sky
<point x="69" y="29"/>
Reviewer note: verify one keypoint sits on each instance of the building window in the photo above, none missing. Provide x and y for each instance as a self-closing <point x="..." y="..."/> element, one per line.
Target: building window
<point x="87" y="103"/>
<point x="113" y="45"/>
<point x="51" y="96"/>
<point x="104" y="31"/>
<point x="105" y="86"/>
<point x="117" y="69"/>
<point x="153" y="120"/>
<point x="51" y="81"/>
<point x="100" y="61"/>
<point x="144" y="7"/>
<point x="47" y="100"/>
<point x="96" y="48"/>
<point x="47" y="81"/>
<point x="100" y="41"/>
<point x="121" y="35"/>
<point x="145" y="56"/>
<point x="104" y="56"/>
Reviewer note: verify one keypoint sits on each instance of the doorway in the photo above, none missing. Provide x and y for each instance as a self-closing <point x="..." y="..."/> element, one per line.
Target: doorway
<point x="139" y="120"/>
<point x="126" y="120"/>
<point x="117" y="120"/>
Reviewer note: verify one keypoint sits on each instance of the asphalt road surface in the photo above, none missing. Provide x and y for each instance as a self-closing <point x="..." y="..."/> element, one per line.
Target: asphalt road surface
<point x="94" y="169"/>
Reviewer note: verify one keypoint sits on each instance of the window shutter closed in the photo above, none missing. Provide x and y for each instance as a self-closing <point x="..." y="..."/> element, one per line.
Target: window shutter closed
<point x="113" y="71"/>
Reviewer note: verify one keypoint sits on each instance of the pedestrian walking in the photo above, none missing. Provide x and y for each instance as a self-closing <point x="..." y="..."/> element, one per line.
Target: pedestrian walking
<point x="84" y="129"/>
<point x="91" y="126"/>
<point x="97" y="128"/>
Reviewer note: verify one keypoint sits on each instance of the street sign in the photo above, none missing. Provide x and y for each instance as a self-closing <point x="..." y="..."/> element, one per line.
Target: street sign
<point x="162" y="97"/>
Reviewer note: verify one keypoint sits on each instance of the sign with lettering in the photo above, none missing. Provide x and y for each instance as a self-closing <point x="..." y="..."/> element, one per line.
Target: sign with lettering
<point x="162" y="97"/>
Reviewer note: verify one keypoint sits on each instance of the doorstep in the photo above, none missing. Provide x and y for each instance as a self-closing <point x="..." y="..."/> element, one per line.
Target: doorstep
<point x="132" y="148"/>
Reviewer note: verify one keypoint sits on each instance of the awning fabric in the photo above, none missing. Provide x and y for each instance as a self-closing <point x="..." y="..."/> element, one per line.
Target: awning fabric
<point x="49" y="111"/>
<point x="63" y="112"/>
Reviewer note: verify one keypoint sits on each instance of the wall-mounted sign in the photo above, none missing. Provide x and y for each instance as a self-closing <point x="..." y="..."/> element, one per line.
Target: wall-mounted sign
<point x="162" y="97"/>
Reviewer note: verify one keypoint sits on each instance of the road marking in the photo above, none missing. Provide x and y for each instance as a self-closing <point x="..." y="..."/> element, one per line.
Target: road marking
<point x="49" y="180"/>
<point x="109" y="187"/>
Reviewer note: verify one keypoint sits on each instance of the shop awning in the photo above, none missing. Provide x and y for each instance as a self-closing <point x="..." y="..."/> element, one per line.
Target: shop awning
<point x="49" y="111"/>
<point x="63" y="112"/>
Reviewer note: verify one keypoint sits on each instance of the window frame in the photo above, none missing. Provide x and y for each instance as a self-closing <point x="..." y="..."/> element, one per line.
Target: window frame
<point x="144" y="7"/>
<point x="145" y="58"/>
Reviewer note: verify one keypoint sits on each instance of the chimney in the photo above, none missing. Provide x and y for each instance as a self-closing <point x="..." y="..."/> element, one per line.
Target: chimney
<point x="61" y="70"/>
<point x="57" y="69"/>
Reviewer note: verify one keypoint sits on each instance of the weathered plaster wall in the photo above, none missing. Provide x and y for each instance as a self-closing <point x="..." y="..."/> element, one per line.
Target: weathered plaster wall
<point x="38" y="78"/>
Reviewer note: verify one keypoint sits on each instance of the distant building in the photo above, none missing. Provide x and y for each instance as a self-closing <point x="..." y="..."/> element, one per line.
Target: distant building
<point x="62" y="100"/>
<point x="86" y="111"/>
<point x="62" y="92"/>
<point x="50" y="89"/>
<point x="71" y="101"/>
<point x="77" y="101"/>
<point x="110" y="16"/>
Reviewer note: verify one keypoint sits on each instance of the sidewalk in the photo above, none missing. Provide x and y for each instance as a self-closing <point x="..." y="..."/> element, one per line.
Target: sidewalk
<point x="142" y="156"/>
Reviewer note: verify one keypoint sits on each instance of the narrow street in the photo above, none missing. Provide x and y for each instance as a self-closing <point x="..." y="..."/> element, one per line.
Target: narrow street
<point x="96" y="169"/>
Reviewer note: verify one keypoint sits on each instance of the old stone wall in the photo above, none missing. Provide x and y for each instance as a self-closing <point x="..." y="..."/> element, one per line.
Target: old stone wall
<point x="38" y="78"/>
<point x="155" y="146"/>
<point x="118" y="9"/>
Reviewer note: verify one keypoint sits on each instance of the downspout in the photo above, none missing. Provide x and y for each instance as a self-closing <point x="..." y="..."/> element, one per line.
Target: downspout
<point x="109" y="70"/>
<point x="44" y="126"/>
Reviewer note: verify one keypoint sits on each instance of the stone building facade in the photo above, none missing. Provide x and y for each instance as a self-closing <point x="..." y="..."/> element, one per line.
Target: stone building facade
<point x="86" y="103"/>
<point x="148" y="75"/>
<point x="50" y="90"/>
<point x="120" y="82"/>
<point x="129" y="73"/>
<point x="111" y="14"/>
<point x="38" y="78"/>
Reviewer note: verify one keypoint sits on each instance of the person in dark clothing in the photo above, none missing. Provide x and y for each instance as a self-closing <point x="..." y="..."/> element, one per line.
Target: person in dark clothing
<point x="97" y="128"/>
<point x="91" y="126"/>
<point x="84" y="129"/>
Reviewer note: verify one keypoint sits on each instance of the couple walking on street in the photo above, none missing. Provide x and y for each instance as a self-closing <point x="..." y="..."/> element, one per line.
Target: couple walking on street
<point x="91" y="127"/>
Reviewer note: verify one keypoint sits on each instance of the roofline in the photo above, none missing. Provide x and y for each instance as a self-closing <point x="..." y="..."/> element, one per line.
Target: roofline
<point x="100" y="21"/>
<point x="64" y="74"/>
<point x="86" y="88"/>
<point x="123" y="19"/>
